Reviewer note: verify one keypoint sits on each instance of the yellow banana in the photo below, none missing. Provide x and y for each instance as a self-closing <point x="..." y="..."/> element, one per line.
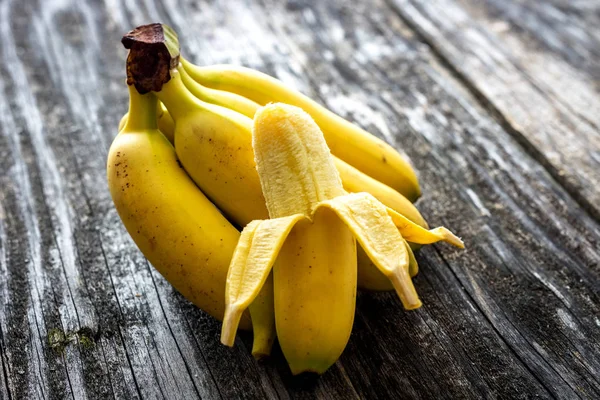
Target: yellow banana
<point x="315" y="266"/>
<point x="178" y="229"/>
<point x="264" y="332"/>
<point x="347" y="141"/>
<point x="311" y="235"/>
<point x="215" y="148"/>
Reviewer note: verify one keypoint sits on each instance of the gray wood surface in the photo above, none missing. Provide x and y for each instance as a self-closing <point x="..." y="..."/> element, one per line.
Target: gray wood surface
<point x="535" y="66"/>
<point x="495" y="102"/>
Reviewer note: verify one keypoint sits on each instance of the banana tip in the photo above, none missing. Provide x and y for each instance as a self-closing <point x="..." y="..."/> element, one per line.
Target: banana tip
<point x="231" y="321"/>
<point x="405" y="290"/>
<point x="260" y="355"/>
<point x="456" y="241"/>
<point x="413" y="306"/>
<point x="227" y="336"/>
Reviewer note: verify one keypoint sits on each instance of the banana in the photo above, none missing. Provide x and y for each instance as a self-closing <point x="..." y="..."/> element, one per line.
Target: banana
<point x="315" y="266"/>
<point x="137" y="70"/>
<point x="214" y="145"/>
<point x="176" y="227"/>
<point x="347" y="141"/>
<point x="309" y="242"/>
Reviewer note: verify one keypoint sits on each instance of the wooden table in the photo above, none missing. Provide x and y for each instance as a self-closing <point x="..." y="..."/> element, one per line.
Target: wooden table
<point x="496" y="103"/>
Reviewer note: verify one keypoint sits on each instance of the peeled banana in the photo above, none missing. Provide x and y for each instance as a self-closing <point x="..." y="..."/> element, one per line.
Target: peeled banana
<point x="311" y="237"/>
<point x="309" y="242"/>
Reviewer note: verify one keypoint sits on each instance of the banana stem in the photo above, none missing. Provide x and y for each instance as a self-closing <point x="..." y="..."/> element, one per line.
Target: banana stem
<point x="177" y="98"/>
<point x="159" y="43"/>
<point x="156" y="42"/>
<point x="142" y="111"/>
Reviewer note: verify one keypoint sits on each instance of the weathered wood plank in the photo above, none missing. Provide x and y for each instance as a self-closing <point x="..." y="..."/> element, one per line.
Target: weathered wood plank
<point x="549" y="105"/>
<point x="514" y="315"/>
<point x="556" y="43"/>
<point x="569" y="29"/>
<point x="33" y="262"/>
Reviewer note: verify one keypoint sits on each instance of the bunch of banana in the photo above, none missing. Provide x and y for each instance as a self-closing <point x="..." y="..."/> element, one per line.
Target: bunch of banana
<point x="183" y="175"/>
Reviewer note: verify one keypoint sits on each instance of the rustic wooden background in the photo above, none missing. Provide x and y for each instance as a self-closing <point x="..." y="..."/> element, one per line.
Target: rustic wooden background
<point x="497" y="103"/>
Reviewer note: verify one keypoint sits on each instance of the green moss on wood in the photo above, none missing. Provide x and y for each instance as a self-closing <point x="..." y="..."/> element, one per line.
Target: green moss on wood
<point x="58" y="340"/>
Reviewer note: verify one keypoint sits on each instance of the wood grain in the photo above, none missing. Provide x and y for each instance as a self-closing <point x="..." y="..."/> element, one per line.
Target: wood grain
<point x="515" y="315"/>
<point x="535" y="67"/>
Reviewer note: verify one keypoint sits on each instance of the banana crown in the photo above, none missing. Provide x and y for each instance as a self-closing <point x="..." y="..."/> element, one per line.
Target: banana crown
<point x="299" y="179"/>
